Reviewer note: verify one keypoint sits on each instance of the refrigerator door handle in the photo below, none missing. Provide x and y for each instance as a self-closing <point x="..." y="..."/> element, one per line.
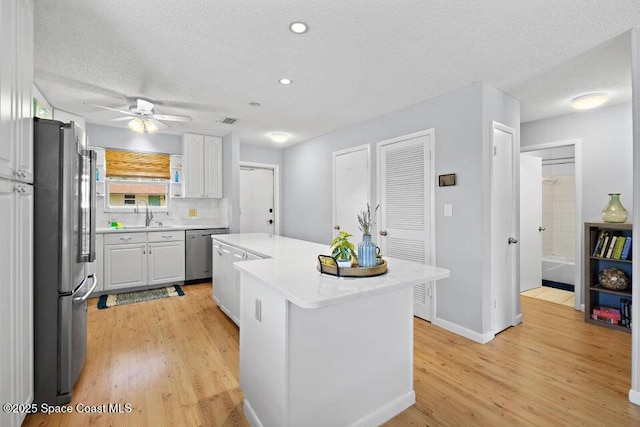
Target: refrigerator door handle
<point x="88" y="252"/>
<point x="83" y="298"/>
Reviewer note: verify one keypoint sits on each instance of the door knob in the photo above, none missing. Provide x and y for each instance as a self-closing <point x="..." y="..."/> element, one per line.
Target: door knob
<point x="541" y="229"/>
<point x="383" y="232"/>
<point x="512" y="241"/>
<point x="336" y="227"/>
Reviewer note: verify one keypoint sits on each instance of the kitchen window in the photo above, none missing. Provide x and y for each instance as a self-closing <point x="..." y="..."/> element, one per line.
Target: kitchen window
<point x="132" y="177"/>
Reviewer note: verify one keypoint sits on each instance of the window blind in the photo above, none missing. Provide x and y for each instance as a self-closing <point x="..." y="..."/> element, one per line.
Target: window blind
<point x="127" y="164"/>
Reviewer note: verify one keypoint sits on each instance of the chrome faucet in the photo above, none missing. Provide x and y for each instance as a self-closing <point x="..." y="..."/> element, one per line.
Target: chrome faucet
<point x="148" y="215"/>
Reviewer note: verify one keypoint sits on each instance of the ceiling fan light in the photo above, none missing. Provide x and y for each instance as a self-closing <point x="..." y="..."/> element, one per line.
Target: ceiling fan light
<point x="150" y="126"/>
<point x="279" y="137"/>
<point x="592" y="100"/>
<point x="137" y="125"/>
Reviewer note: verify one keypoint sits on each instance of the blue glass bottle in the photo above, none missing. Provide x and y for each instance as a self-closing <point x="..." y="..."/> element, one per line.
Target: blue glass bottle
<point x="367" y="252"/>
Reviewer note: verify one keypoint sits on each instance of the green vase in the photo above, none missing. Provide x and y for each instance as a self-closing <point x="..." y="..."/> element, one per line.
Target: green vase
<point x="614" y="211"/>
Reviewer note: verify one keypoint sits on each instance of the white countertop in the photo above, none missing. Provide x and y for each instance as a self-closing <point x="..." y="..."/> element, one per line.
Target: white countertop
<point x="139" y="229"/>
<point x="291" y="270"/>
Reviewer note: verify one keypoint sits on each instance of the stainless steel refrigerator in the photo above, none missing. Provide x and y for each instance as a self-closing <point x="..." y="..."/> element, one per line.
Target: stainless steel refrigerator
<point x="64" y="242"/>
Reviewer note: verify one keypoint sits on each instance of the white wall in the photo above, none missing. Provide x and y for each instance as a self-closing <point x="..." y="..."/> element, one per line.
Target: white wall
<point x="126" y="139"/>
<point x="462" y="122"/>
<point x="607" y="159"/>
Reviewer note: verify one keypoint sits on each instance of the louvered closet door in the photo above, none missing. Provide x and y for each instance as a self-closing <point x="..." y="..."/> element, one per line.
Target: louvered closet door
<point x="404" y="186"/>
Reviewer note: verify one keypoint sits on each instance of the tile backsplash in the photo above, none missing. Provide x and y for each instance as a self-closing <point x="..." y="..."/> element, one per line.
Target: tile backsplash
<point x="207" y="211"/>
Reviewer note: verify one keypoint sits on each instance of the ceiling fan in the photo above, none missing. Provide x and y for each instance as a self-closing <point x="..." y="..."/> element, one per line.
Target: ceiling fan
<point x="144" y="118"/>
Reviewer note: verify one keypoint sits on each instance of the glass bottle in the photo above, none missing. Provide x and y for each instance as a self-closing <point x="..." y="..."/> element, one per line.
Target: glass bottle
<point x="614" y="211"/>
<point x="367" y="252"/>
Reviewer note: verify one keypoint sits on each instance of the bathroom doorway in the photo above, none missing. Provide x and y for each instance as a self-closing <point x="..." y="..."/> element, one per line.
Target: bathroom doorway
<point x="554" y="275"/>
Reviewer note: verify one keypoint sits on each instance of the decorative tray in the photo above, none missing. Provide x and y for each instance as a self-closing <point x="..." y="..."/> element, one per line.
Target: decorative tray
<point x="329" y="265"/>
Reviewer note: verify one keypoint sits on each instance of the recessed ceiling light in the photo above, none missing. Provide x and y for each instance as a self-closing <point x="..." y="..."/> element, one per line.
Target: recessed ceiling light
<point x="592" y="100"/>
<point x="298" y="27"/>
<point x="279" y="137"/>
<point x="285" y="81"/>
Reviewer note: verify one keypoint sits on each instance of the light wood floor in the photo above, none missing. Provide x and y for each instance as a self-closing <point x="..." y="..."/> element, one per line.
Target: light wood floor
<point x="175" y="360"/>
<point x="547" y="293"/>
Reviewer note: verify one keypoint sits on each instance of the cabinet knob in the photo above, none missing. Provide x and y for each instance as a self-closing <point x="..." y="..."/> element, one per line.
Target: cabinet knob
<point x="336" y="227"/>
<point x="383" y="232"/>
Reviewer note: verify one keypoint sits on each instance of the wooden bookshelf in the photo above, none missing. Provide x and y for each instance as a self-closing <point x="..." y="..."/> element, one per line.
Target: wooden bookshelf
<point x="596" y="294"/>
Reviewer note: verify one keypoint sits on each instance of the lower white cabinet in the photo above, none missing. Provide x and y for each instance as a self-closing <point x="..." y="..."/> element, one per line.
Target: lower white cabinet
<point x="16" y="305"/>
<point x="133" y="260"/>
<point x="226" y="279"/>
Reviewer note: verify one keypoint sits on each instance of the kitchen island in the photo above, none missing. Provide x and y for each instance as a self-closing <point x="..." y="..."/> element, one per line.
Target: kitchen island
<point x="317" y="350"/>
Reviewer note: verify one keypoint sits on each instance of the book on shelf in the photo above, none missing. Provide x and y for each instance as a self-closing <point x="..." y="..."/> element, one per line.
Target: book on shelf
<point x="605" y="243"/>
<point x="625" y="312"/>
<point x="626" y="250"/>
<point x="612" y="243"/>
<point x="599" y="243"/>
<point x="605" y="319"/>
<point x="617" y="249"/>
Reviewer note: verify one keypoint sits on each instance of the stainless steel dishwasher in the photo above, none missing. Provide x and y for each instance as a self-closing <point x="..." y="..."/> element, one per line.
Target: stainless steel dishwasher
<point x="197" y="258"/>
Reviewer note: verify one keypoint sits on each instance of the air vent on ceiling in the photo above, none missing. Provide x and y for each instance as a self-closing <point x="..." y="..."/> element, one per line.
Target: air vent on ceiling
<point x="228" y="121"/>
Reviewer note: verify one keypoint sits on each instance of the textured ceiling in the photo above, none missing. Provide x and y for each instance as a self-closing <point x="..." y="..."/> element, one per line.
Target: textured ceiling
<point x="360" y="58"/>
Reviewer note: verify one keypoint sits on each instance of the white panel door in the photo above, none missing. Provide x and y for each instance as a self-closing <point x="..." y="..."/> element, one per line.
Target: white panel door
<point x="125" y="266"/>
<point x="8" y="93"/>
<point x="256" y="200"/>
<point x="404" y="193"/>
<point x="351" y="189"/>
<point x="530" y="222"/>
<point x="503" y="232"/>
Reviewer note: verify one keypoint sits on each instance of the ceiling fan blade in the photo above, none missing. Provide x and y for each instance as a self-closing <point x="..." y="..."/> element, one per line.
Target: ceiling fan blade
<point x="120" y="119"/>
<point x="171" y="118"/>
<point x="159" y="124"/>
<point x="113" y="109"/>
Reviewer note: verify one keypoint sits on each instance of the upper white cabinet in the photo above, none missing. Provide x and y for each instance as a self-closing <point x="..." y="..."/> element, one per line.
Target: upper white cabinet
<point x="16" y="83"/>
<point x="202" y="166"/>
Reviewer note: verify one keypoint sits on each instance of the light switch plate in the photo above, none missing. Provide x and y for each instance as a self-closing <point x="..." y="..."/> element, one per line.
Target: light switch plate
<point x="448" y="210"/>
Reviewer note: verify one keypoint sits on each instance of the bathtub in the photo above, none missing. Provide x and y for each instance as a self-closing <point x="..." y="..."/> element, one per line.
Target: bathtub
<point x="558" y="268"/>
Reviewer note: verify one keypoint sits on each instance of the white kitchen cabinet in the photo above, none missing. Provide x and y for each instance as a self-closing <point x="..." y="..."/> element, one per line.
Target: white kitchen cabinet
<point x="226" y="279"/>
<point x="202" y="166"/>
<point x="221" y="287"/>
<point x="166" y="257"/>
<point x="16" y="206"/>
<point x="16" y="307"/>
<point x="134" y="260"/>
<point x="125" y="266"/>
<point x="16" y="82"/>
<point x="234" y="285"/>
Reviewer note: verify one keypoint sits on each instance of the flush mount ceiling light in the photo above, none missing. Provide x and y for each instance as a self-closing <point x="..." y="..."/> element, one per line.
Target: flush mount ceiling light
<point x="298" y="27"/>
<point x="285" y="81"/>
<point x="279" y="137"/>
<point x="592" y="100"/>
<point x="141" y="126"/>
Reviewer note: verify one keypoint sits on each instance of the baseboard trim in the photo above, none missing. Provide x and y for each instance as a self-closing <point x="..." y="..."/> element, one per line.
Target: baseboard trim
<point x="465" y="332"/>
<point x="634" y="397"/>
<point x="252" y="418"/>
<point x="386" y="412"/>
